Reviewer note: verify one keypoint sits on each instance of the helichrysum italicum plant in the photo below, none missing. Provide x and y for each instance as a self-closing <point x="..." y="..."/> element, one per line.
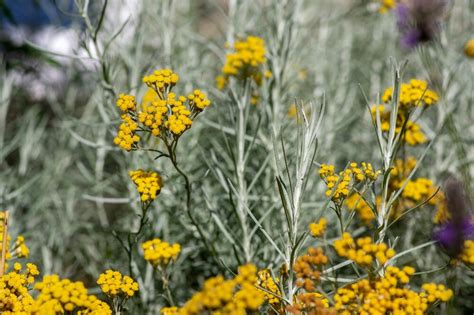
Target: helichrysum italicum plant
<point x="239" y="186"/>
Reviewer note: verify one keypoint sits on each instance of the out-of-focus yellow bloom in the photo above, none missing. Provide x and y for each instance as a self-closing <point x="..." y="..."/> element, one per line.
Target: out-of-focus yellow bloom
<point x="317" y="229"/>
<point x="469" y="48"/>
<point x="239" y="295"/>
<point x="160" y="253"/>
<point x="363" y="251"/>
<point x="246" y="61"/>
<point x="388" y="294"/>
<point x="387" y="5"/>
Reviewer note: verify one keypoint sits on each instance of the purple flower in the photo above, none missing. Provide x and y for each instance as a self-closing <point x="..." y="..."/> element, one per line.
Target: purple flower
<point x="460" y="227"/>
<point x="451" y="236"/>
<point x="419" y="20"/>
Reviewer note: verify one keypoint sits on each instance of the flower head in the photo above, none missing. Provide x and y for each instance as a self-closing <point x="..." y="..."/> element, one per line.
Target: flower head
<point x="113" y="284"/>
<point x="58" y="295"/>
<point x="317" y="228"/>
<point x="148" y="184"/>
<point x="160" y="253"/>
<point x="239" y="295"/>
<point x="163" y="113"/>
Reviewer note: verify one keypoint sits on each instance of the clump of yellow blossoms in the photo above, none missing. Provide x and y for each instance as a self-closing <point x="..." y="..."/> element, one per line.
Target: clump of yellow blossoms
<point x="126" y="103"/>
<point x="148" y="184"/>
<point x="161" y="80"/>
<point x="469" y="48"/>
<point x="416" y="190"/>
<point x="413" y="134"/>
<point x="62" y="295"/>
<point x="467" y="254"/>
<point x="164" y="114"/>
<point x="388" y="294"/>
<point x="266" y="281"/>
<point x="317" y="228"/>
<point x="310" y="303"/>
<point x="340" y="185"/>
<point x="127" y="138"/>
<point x="239" y="295"/>
<point x="412" y="94"/>
<point x="363" y="251"/>
<point x="14" y="286"/>
<point x="113" y="284"/>
<point x="160" y="253"/>
<point x="245" y="62"/>
<point x="387" y="5"/>
<point x="308" y="268"/>
<point x="13" y="251"/>
<point x="355" y="202"/>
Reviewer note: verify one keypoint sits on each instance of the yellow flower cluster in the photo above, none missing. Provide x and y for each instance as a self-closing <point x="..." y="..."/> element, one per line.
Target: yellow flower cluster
<point x="363" y="251"/>
<point x="416" y="190"/>
<point x="412" y="94"/>
<point x="161" y="80"/>
<point x="126" y="103"/>
<point x="413" y="133"/>
<point x="308" y="268"/>
<point x="442" y="214"/>
<point x="469" y="48"/>
<point x="317" y="229"/>
<point x="164" y="114"/>
<point x="246" y="61"/>
<point x="160" y="253"/>
<point x="113" y="284"/>
<point x="342" y="180"/>
<point x="154" y="113"/>
<point x="310" y="303"/>
<point x="434" y="292"/>
<point x="467" y="254"/>
<point x="148" y="184"/>
<point x="13" y="251"/>
<point x="387" y="5"/>
<point x="388" y="295"/>
<point x="236" y="296"/>
<point x="339" y="185"/>
<point x="62" y="295"/>
<point x="355" y="202"/>
<point x="198" y="100"/>
<point x="171" y="113"/>
<point x="14" y="295"/>
<point x="266" y="281"/>
<point x="180" y="119"/>
<point x="127" y="138"/>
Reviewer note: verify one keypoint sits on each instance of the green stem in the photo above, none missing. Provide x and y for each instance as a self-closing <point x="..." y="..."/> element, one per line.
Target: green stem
<point x="166" y="287"/>
<point x="210" y="247"/>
